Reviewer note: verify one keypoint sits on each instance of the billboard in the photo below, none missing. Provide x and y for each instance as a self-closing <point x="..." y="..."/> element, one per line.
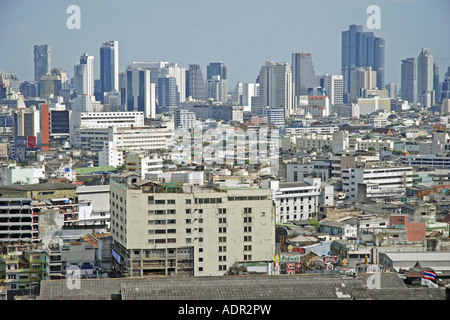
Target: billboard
<point x="32" y="143"/>
<point x="330" y="259"/>
<point x="290" y="257"/>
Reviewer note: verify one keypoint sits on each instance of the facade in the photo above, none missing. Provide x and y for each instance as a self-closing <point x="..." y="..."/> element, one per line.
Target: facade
<point x="109" y="67"/>
<point x="334" y="85"/>
<point x="361" y="49"/>
<point x="425" y="83"/>
<point x="295" y="200"/>
<point x="275" y="89"/>
<point x="19" y="221"/>
<point x="163" y="228"/>
<point x="143" y="164"/>
<point x="376" y="183"/>
<point x="42" y="61"/>
<point x="195" y="84"/>
<point x="168" y="95"/>
<point x="81" y="123"/>
<point x="217" y="89"/>
<point x="184" y="119"/>
<point x="408" y="85"/>
<point x="84" y="75"/>
<point x="140" y="92"/>
<point x="303" y="74"/>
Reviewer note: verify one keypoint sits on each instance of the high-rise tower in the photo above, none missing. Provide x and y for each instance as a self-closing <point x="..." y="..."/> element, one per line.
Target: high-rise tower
<point x="84" y="75"/>
<point x="361" y="49"/>
<point x="109" y="66"/>
<point x="42" y="61"/>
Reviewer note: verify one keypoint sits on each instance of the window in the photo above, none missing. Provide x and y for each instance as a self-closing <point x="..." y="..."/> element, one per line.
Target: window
<point x="188" y="211"/>
<point x="247" y="210"/>
<point x="222" y="249"/>
<point x="188" y="230"/>
<point x="247" y="248"/>
<point x="222" y="229"/>
<point x="222" y="267"/>
<point x="247" y="238"/>
<point x="160" y="202"/>
<point x="170" y="201"/>
<point x="188" y="201"/>
<point x="160" y="240"/>
<point x="150" y="200"/>
<point x="222" y="239"/>
<point x="188" y="221"/>
<point x="247" y="229"/>
<point x="247" y="257"/>
<point x="247" y="219"/>
<point x="171" y="231"/>
<point x="222" y="258"/>
<point x="222" y="220"/>
<point x="222" y="210"/>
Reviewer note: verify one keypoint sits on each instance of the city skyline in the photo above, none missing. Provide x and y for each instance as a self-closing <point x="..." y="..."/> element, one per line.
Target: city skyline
<point x="201" y="34"/>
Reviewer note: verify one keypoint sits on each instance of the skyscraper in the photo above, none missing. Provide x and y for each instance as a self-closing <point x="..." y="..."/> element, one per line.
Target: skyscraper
<point x="42" y="61"/>
<point x="217" y="78"/>
<point x="334" y="85"/>
<point x="195" y="84"/>
<point x="168" y="95"/>
<point x="109" y="66"/>
<point x="445" y="88"/>
<point x="425" y="90"/>
<point x="84" y="75"/>
<point x="361" y="49"/>
<point x="408" y="85"/>
<point x="303" y="74"/>
<point x="275" y="89"/>
<point x="141" y="95"/>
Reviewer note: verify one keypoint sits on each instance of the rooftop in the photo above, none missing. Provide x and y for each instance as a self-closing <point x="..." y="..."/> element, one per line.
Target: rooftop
<point x="268" y="287"/>
<point x="40" y="186"/>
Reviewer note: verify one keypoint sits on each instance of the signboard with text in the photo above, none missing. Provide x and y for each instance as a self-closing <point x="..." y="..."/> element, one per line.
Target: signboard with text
<point x="330" y="259"/>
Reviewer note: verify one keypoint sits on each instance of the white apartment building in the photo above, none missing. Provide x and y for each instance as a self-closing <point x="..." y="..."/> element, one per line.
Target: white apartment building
<point x="376" y="182"/>
<point x="311" y="129"/>
<point x="168" y="229"/>
<point x="83" y="121"/>
<point x="296" y="200"/>
<point x="334" y="84"/>
<point x="143" y="164"/>
<point x="313" y="141"/>
<point x="94" y="205"/>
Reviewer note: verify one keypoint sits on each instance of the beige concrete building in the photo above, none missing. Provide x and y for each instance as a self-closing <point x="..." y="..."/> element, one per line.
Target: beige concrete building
<point x="168" y="229"/>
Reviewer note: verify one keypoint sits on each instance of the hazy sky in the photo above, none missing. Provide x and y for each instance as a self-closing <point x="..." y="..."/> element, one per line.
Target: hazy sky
<point x="244" y="34"/>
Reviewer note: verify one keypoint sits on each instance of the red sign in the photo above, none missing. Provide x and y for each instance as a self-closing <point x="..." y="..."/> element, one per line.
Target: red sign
<point x="330" y="259"/>
<point x="32" y="142"/>
<point x="290" y="266"/>
<point x="299" y="250"/>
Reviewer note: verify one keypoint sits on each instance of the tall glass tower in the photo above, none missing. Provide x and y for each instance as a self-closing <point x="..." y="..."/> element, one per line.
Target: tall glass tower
<point x="361" y="49"/>
<point x="303" y="74"/>
<point x="408" y="85"/>
<point x="41" y="61"/>
<point x="195" y="84"/>
<point x="109" y="66"/>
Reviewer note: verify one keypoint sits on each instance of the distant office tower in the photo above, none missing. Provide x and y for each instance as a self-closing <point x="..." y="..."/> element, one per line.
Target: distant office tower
<point x="275" y="89"/>
<point x="243" y="93"/>
<point x="425" y="90"/>
<point x="436" y="85"/>
<point x="42" y="61"/>
<point x="303" y="74"/>
<point x="408" y="85"/>
<point x="217" y="89"/>
<point x="361" y="49"/>
<point x="84" y="75"/>
<point x="366" y="78"/>
<point x="217" y="78"/>
<point x="168" y="96"/>
<point x="392" y="88"/>
<point x="334" y="85"/>
<point x="179" y="73"/>
<point x="109" y="66"/>
<point x="195" y="84"/>
<point x="445" y="88"/>
<point x="141" y="95"/>
<point x="123" y="90"/>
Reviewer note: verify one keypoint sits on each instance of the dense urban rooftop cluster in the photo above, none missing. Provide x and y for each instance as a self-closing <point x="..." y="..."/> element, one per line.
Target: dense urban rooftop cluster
<point x="157" y="179"/>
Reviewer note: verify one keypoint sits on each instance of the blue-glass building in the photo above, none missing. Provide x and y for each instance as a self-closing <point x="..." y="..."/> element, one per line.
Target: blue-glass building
<point x="361" y="49"/>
